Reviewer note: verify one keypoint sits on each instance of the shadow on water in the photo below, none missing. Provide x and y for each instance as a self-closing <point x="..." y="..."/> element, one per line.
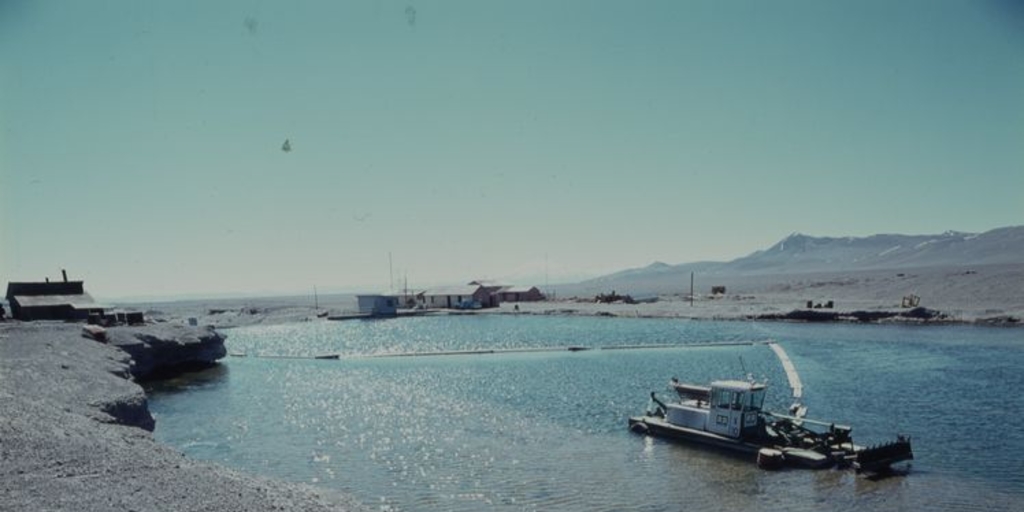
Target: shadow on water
<point x="699" y="450"/>
<point x="889" y="473"/>
<point x="207" y="377"/>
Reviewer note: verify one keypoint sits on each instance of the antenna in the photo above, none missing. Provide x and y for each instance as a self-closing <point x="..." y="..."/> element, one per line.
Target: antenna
<point x="391" y="273"/>
<point x="547" y="287"/>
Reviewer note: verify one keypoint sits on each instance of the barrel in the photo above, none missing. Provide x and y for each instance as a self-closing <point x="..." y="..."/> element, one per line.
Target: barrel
<point x="639" y="427"/>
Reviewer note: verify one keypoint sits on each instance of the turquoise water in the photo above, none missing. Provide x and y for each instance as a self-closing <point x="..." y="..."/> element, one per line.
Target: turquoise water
<point x="547" y="430"/>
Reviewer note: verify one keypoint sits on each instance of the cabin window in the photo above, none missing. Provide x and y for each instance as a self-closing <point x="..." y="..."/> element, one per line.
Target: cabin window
<point x="737" y="401"/>
<point x="756" y="399"/>
<point x="722" y="398"/>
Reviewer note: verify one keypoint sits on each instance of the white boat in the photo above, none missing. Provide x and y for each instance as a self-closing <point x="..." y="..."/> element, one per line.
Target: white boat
<point x="729" y="414"/>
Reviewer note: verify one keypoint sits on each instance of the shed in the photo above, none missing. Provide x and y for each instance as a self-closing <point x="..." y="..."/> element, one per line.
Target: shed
<point x="520" y="294"/>
<point x="65" y="300"/>
<point x="493" y="288"/>
<point x="377" y="305"/>
<point x="461" y="297"/>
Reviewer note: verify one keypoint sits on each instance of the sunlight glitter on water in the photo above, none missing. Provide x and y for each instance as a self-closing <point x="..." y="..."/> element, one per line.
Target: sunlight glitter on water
<point x="542" y="431"/>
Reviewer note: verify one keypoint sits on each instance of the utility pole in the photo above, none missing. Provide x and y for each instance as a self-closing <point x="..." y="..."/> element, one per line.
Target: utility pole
<point x="691" y="289"/>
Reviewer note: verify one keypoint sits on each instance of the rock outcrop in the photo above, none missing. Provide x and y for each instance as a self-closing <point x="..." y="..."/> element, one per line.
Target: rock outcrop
<point x="162" y="349"/>
<point x="923" y="315"/>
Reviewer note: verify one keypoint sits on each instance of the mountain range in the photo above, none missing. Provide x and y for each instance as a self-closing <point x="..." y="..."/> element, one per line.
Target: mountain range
<point x="803" y="254"/>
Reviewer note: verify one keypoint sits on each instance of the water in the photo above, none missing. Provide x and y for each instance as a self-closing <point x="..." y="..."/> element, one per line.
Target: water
<point x="547" y="430"/>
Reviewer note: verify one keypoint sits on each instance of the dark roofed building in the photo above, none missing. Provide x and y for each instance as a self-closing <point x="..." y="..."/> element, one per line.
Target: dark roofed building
<point x="520" y="294"/>
<point x="66" y="300"/>
<point x="460" y="297"/>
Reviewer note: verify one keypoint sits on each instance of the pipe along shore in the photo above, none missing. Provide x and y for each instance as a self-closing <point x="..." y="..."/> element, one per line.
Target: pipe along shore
<point x="474" y="352"/>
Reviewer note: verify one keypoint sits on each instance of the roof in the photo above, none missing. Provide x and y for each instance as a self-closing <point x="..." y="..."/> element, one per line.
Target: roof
<point x="737" y="385"/>
<point x="47" y="288"/>
<point x="489" y="283"/>
<point x="77" y="301"/>
<point x="519" y="289"/>
<point x="453" y="290"/>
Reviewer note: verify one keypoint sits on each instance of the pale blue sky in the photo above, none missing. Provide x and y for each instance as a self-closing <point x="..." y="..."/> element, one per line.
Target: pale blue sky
<point x="141" y="140"/>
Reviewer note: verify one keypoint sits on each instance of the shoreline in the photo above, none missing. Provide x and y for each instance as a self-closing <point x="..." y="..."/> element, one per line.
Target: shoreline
<point x="972" y="295"/>
<point x="78" y="431"/>
<point x="277" y="311"/>
<point x="880" y="316"/>
<point x="74" y="437"/>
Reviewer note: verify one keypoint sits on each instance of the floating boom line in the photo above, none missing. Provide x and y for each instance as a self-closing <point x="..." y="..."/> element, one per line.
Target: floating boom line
<point x="499" y="351"/>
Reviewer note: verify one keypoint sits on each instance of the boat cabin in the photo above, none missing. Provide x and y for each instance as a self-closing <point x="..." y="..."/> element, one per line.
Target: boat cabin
<point x="730" y="408"/>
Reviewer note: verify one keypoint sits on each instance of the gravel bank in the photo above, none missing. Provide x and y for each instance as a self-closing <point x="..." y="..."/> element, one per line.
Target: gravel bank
<point x="73" y="437"/>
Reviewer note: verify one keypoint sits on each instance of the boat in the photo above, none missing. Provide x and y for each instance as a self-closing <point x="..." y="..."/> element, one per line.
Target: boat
<point x="729" y="414"/>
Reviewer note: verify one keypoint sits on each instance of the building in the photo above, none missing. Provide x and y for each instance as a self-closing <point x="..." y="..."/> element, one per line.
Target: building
<point x="65" y="300"/>
<point x="492" y="288"/>
<point x="408" y="299"/>
<point x="520" y="294"/>
<point x="471" y="296"/>
<point x="377" y="305"/>
<point x="490" y="285"/>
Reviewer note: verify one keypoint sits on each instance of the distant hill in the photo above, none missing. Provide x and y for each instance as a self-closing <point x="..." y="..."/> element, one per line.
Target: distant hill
<point x="801" y="254"/>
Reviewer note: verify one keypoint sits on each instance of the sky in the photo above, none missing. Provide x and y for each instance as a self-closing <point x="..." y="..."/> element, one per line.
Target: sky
<point x="435" y="142"/>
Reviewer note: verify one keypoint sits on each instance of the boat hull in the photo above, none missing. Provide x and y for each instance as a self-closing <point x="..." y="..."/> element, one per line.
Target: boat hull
<point x="789" y="456"/>
<point x="658" y="427"/>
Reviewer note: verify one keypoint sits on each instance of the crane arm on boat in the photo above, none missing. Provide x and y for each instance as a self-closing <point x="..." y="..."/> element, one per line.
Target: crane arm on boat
<point x="798" y="409"/>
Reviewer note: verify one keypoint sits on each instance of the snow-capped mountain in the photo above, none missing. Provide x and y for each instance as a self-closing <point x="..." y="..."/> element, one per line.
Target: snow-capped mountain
<point x="799" y="253"/>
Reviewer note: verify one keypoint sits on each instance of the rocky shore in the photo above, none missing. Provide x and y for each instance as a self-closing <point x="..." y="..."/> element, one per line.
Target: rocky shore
<point x="75" y="431"/>
<point x="755" y="309"/>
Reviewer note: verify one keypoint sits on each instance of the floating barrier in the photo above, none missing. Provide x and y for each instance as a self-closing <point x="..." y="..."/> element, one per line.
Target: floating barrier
<point x="474" y="352"/>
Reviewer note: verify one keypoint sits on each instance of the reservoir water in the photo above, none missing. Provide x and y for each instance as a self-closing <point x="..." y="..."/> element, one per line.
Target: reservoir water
<point x="547" y="430"/>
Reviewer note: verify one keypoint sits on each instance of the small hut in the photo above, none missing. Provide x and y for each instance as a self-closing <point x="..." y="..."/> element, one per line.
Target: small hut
<point x="520" y="294"/>
<point x="461" y="297"/>
<point x="65" y="300"/>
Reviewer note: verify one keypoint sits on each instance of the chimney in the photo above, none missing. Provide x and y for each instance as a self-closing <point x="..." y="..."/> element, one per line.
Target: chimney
<point x="47" y="279"/>
<point x="65" y="272"/>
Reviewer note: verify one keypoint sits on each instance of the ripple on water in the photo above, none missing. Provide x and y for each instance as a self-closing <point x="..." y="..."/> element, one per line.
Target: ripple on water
<point x="544" y="431"/>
